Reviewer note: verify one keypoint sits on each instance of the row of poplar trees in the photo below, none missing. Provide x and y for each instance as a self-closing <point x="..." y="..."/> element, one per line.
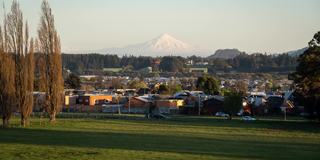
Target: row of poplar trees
<point x="17" y="65"/>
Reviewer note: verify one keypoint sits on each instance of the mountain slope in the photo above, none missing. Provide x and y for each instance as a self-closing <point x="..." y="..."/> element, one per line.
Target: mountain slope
<point x="161" y="46"/>
<point x="298" y="52"/>
<point x="225" y="54"/>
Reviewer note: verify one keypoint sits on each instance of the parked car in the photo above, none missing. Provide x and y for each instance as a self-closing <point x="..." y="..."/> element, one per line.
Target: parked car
<point x="221" y="114"/>
<point x="156" y="116"/>
<point x="247" y="118"/>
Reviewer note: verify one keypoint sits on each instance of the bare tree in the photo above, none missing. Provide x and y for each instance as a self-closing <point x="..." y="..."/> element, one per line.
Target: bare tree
<point x="7" y="79"/>
<point x="19" y="44"/>
<point x="42" y="78"/>
<point x="7" y="83"/>
<point x="40" y="69"/>
<point x="51" y="48"/>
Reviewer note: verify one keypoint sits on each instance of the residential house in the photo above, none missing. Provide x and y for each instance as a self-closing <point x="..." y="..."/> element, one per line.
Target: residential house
<point x="139" y="104"/>
<point x="169" y="106"/>
<point x="198" y="70"/>
<point x="213" y="105"/>
<point x="94" y="99"/>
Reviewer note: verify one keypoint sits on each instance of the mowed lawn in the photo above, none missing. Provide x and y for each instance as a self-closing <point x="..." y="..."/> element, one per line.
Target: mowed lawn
<point x="177" y="138"/>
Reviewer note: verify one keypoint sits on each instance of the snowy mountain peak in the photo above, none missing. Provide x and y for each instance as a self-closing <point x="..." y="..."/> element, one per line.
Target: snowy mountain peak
<point x="161" y="46"/>
<point x="166" y="36"/>
<point x="167" y="43"/>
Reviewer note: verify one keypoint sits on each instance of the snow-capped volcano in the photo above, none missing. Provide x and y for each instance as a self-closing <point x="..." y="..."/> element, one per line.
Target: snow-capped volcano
<point x="167" y="43"/>
<point x="161" y="46"/>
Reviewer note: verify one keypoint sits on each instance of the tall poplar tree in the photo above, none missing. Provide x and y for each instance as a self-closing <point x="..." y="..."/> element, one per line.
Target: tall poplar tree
<point x="19" y="44"/>
<point x="7" y="84"/>
<point x="51" y="48"/>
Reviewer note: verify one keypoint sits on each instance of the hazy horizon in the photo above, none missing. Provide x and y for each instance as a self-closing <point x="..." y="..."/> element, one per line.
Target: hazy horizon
<point x="271" y="26"/>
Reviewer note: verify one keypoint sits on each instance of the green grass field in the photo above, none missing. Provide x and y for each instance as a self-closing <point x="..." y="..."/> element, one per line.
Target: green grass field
<point x="177" y="138"/>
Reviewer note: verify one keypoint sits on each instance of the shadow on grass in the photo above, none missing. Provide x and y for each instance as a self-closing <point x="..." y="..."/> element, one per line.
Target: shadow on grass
<point x="300" y="126"/>
<point x="161" y="143"/>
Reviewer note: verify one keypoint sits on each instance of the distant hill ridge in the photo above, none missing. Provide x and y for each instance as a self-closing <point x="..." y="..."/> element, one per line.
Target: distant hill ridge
<point x="167" y="45"/>
<point x="297" y="52"/>
<point x="225" y="54"/>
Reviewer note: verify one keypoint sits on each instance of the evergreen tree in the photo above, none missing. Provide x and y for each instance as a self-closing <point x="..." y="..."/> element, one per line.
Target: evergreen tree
<point x="172" y="64"/>
<point x="210" y="85"/>
<point x="307" y="78"/>
<point x="232" y="103"/>
<point x="73" y="82"/>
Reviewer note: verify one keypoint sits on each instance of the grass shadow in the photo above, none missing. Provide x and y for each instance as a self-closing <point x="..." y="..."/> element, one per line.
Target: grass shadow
<point x="290" y="126"/>
<point x="161" y="143"/>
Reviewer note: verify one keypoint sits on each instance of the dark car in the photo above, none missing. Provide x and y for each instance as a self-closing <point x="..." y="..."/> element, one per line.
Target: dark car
<point x="275" y="103"/>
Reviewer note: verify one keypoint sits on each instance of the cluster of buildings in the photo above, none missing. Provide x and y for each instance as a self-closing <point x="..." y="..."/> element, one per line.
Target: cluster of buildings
<point x="184" y="102"/>
<point x="103" y="96"/>
<point x="122" y="101"/>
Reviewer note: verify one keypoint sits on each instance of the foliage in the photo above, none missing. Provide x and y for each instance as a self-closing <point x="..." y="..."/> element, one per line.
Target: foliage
<point x="307" y="78"/>
<point x="174" y="88"/>
<point x="15" y="39"/>
<point x="171" y="88"/>
<point x="172" y="64"/>
<point x="73" y="82"/>
<point x="137" y="84"/>
<point x="225" y="91"/>
<point x="41" y="78"/>
<point x="232" y="103"/>
<point x="210" y="85"/>
<point x="84" y="63"/>
<point x="262" y="63"/>
<point x="51" y="48"/>
<point x="163" y="89"/>
<point x="7" y="86"/>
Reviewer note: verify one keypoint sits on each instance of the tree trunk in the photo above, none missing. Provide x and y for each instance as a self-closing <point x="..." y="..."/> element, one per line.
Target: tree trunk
<point x="5" y="122"/>
<point x="317" y="108"/>
<point x="24" y="121"/>
<point x="52" y="117"/>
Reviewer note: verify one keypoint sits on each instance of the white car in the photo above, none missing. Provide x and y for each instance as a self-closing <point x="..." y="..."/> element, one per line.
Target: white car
<point x="221" y="114"/>
<point x="247" y="118"/>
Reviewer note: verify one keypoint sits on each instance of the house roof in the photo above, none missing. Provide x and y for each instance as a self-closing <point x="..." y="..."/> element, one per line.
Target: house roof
<point x="219" y="98"/>
<point x="143" y="99"/>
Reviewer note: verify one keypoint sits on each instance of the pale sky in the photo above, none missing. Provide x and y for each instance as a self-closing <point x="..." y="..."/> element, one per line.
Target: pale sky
<point x="249" y="25"/>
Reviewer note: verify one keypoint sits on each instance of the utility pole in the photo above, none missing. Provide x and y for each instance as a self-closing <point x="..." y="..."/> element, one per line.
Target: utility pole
<point x="199" y="102"/>
<point x="284" y="109"/>
<point x="119" y="111"/>
<point x="129" y="104"/>
<point x="285" y="113"/>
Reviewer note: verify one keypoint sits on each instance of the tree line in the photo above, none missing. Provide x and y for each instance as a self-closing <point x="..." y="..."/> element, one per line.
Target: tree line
<point x="81" y="63"/>
<point x="256" y="63"/>
<point x="17" y="67"/>
<point x="253" y="63"/>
